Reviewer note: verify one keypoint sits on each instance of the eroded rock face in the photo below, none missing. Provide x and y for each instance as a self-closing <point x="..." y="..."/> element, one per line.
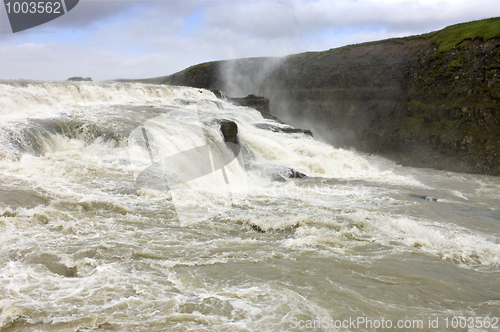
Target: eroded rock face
<point x="451" y="119"/>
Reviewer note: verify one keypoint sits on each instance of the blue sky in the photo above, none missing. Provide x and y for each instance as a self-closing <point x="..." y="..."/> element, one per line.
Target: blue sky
<point x="139" y="39"/>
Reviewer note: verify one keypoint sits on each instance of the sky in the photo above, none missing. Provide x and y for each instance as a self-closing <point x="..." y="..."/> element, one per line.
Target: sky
<point x="115" y="39"/>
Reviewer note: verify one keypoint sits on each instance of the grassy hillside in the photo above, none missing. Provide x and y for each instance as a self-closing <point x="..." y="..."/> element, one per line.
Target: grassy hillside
<point x="451" y="36"/>
<point x="199" y="75"/>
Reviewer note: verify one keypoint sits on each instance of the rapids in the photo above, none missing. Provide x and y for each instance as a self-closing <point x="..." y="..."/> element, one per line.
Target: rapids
<point x="121" y="209"/>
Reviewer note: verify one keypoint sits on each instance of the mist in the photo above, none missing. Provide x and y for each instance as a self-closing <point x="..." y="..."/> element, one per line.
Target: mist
<point x="243" y="77"/>
<point x="268" y="77"/>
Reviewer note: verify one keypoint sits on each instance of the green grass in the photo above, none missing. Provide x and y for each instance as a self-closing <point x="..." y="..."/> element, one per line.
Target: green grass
<point x="474" y="130"/>
<point x="445" y="90"/>
<point x="441" y="102"/>
<point x="321" y="55"/>
<point x="422" y="36"/>
<point x="497" y="49"/>
<point x="448" y="124"/>
<point x="457" y="63"/>
<point x="454" y="34"/>
<point x="414" y="103"/>
<point x="409" y="125"/>
<point x="458" y="102"/>
<point x="302" y="56"/>
<point x="412" y="122"/>
<point x="494" y="106"/>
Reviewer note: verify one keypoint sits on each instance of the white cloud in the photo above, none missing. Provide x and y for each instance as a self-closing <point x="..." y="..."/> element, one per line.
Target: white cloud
<point x="133" y="39"/>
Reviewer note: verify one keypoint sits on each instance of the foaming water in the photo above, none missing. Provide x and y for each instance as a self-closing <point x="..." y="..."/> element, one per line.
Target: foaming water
<point x="100" y="231"/>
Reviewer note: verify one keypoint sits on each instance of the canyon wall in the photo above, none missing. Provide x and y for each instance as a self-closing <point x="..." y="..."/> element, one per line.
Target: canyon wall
<point x="427" y="101"/>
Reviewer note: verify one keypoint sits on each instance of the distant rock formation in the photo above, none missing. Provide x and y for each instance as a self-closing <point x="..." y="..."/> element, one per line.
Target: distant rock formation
<point x="80" y="79"/>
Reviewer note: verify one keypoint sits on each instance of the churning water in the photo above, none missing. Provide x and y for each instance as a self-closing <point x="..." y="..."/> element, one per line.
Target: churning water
<point x="121" y="209"/>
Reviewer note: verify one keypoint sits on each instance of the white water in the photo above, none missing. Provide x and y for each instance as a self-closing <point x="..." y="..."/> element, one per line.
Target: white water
<point x="85" y="246"/>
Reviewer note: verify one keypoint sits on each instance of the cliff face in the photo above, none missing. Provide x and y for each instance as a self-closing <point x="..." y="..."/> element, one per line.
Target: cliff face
<point x="427" y="101"/>
<point x="452" y="116"/>
<point x="354" y="96"/>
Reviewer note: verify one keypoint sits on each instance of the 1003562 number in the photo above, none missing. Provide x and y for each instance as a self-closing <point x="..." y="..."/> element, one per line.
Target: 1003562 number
<point x="472" y="322"/>
<point x="33" y="7"/>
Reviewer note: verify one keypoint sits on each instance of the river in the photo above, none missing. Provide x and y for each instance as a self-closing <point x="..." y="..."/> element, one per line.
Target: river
<point x="121" y="209"/>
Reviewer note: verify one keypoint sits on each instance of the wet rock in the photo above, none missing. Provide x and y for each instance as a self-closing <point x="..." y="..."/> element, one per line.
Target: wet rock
<point x="229" y="130"/>
<point x="219" y="94"/>
<point x="288" y="173"/>
<point x="276" y="172"/>
<point x="272" y="117"/>
<point x="283" y="129"/>
<point x="261" y="104"/>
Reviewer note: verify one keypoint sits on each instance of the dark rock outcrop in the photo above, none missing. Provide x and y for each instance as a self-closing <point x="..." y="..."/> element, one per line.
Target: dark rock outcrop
<point x="261" y="104"/>
<point x="276" y="172"/>
<point x="219" y="94"/>
<point x="229" y="130"/>
<point x="287" y="173"/>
